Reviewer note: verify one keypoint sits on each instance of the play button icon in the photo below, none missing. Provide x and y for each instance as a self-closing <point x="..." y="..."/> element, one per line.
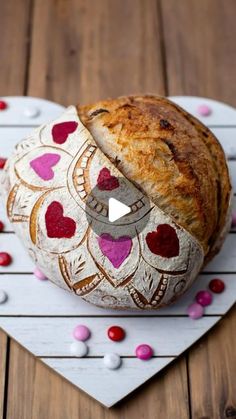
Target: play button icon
<point x="117" y="209"/>
<point x="122" y="210"/>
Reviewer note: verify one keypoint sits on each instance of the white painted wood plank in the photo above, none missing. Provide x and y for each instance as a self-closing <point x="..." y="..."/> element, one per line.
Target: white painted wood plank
<point x="21" y="262"/>
<point x="232" y="169"/>
<point x="222" y="114"/>
<point x="14" y="114"/>
<point x="31" y="297"/>
<point x="51" y="336"/>
<point x="225" y="261"/>
<point x="107" y="386"/>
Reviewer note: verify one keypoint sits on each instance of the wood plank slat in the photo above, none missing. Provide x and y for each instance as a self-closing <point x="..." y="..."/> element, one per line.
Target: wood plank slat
<point x="159" y="395"/>
<point x="95" y="50"/>
<point x="55" y="335"/>
<point x="3" y="370"/>
<point x="31" y="297"/>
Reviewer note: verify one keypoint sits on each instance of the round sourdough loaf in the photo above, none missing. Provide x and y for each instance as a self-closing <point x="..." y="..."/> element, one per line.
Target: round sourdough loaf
<point x="154" y="151"/>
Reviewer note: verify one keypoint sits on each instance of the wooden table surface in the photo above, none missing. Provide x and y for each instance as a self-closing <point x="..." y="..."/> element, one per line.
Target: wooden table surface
<point x="77" y="50"/>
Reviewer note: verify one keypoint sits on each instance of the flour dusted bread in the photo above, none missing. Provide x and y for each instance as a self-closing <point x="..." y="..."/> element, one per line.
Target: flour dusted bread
<point x="147" y="149"/>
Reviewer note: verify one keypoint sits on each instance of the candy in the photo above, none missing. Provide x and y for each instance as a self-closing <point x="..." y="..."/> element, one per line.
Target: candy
<point x="81" y="332"/>
<point x="31" y="112"/>
<point x="3" y="105"/>
<point x="2" y="162"/>
<point x="234" y="219"/>
<point x="1" y="226"/>
<point x="204" y="298"/>
<point x="144" y="352"/>
<point x="5" y="259"/>
<point x="40" y="275"/>
<point x="204" y="110"/>
<point x="78" y="349"/>
<point x="195" y="311"/>
<point x="112" y="361"/>
<point x="3" y="297"/>
<point x="217" y="285"/>
<point x="116" y="333"/>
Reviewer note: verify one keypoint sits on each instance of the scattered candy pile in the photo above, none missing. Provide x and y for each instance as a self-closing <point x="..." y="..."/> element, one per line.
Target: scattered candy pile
<point x="204" y="298"/>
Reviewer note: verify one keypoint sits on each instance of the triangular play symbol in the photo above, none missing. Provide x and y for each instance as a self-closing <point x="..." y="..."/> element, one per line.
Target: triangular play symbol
<point x="117" y="209"/>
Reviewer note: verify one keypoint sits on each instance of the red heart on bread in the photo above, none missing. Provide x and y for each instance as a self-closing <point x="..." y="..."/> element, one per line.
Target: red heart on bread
<point x="61" y="131"/>
<point x="164" y="241"/>
<point x="107" y="182"/>
<point x="57" y="225"/>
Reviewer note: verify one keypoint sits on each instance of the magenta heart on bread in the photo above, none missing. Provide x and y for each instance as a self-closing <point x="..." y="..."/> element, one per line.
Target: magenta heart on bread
<point x="116" y="250"/>
<point x="43" y="164"/>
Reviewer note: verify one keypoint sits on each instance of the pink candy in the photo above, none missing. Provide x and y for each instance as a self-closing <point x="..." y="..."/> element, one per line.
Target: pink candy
<point x="144" y="352"/>
<point x="204" y="110"/>
<point x="39" y="274"/>
<point x="195" y="311"/>
<point x="204" y="298"/>
<point x="234" y="219"/>
<point x="81" y="332"/>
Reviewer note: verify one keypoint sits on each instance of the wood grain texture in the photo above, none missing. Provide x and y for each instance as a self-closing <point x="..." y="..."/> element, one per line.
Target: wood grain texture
<point x="200" y="53"/>
<point x="50" y="396"/>
<point x="86" y="51"/>
<point x="3" y="368"/>
<point x="14" y="24"/>
<point x="200" y="48"/>
<point x="212" y="368"/>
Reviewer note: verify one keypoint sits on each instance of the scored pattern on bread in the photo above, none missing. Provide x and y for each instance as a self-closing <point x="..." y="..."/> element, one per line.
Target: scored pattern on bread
<point x="137" y="271"/>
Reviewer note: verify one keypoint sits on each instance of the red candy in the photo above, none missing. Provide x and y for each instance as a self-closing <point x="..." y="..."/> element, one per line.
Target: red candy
<point x="116" y="333"/>
<point x="5" y="259"/>
<point x="2" y="162"/>
<point x="1" y="226"/>
<point x="3" y="105"/>
<point x="217" y="286"/>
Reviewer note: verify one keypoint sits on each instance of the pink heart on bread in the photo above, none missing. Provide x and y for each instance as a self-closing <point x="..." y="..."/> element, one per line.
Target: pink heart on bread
<point x="42" y="165"/>
<point x="116" y="250"/>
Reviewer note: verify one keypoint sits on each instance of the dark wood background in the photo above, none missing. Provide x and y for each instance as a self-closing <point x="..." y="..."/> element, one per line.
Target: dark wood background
<point x="74" y="51"/>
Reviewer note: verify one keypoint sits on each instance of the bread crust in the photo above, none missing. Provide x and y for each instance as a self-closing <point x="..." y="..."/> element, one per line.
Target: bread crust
<point x="170" y="155"/>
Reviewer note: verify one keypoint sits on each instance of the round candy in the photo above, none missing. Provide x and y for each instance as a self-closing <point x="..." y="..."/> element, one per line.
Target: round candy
<point x="39" y="274"/>
<point x="78" y="349"/>
<point x="31" y="112"/>
<point x="204" y="298"/>
<point x="116" y="333"/>
<point x="81" y="332"/>
<point x="112" y="361"/>
<point x="195" y="311"/>
<point x="5" y="259"/>
<point x="3" y="105"/>
<point x="1" y="226"/>
<point x="204" y="110"/>
<point x="2" y="162"/>
<point x="234" y="219"/>
<point x="144" y="352"/>
<point x="217" y="285"/>
<point x="3" y="296"/>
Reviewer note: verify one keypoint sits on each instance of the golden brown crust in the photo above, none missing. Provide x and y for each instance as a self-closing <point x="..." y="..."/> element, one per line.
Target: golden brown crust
<point x="174" y="158"/>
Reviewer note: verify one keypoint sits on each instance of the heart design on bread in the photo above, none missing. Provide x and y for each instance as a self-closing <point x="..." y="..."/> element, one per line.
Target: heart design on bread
<point x="107" y="182"/>
<point x="116" y="250"/>
<point x="42" y="165"/>
<point x="176" y="179"/>
<point x="61" y="131"/>
<point x="164" y="241"/>
<point x="57" y="225"/>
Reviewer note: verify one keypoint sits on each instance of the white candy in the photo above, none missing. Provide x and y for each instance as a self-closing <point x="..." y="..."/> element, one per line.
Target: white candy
<point x="31" y="112"/>
<point x="3" y="296"/>
<point x="78" y="349"/>
<point x="112" y="361"/>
